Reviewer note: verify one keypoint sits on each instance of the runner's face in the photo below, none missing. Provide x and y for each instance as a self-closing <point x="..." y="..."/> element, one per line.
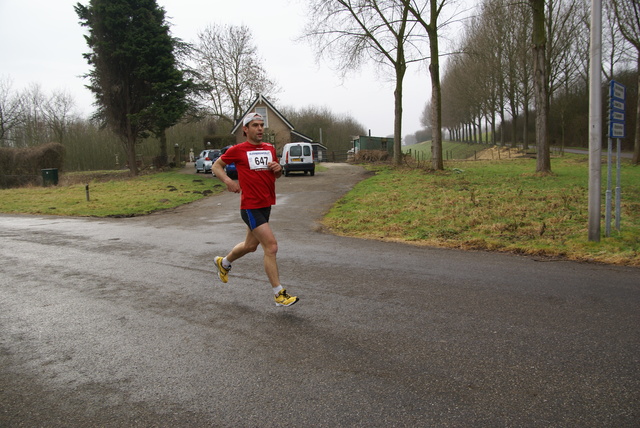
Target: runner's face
<point x="254" y="131"/>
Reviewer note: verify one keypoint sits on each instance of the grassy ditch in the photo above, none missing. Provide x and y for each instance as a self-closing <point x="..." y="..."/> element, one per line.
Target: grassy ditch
<point x="491" y="205"/>
<point x="110" y="194"/>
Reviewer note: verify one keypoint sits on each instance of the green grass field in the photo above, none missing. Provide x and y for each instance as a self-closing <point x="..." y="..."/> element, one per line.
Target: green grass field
<point x="450" y="150"/>
<point x="114" y="198"/>
<point x="491" y="205"/>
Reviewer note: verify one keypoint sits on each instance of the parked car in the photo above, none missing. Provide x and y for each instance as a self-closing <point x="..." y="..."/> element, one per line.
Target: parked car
<point x="205" y="159"/>
<point x="298" y="157"/>
<point x="230" y="169"/>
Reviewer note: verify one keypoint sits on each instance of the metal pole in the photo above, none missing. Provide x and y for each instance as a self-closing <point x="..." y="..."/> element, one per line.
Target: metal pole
<point x="595" y="119"/>
<point x="618" y="188"/>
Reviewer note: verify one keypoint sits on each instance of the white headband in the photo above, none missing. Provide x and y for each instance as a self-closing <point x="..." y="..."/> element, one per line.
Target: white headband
<point x="251" y="116"/>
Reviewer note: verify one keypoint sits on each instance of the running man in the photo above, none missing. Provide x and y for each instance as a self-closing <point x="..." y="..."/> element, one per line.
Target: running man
<point x="258" y="169"/>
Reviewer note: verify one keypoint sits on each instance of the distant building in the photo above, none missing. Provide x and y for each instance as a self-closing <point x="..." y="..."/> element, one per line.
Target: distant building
<point x="365" y="142"/>
<point x="277" y="129"/>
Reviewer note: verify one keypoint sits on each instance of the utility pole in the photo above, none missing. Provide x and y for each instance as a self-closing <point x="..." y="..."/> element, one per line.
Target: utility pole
<point x="595" y="120"/>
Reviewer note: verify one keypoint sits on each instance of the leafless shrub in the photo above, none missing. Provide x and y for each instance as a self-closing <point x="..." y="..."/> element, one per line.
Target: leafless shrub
<point x="372" y="156"/>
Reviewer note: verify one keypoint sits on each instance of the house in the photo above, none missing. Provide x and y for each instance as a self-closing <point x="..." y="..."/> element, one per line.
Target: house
<point x="367" y="142"/>
<point x="277" y="129"/>
<point x="319" y="152"/>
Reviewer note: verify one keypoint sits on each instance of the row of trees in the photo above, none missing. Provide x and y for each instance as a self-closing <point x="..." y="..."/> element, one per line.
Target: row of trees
<point x="513" y="54"/>
<point x="31" y="115"/>
<point x="515" y="57"/>
<point x="36" y="117"/>
<point x="489" y="85"/>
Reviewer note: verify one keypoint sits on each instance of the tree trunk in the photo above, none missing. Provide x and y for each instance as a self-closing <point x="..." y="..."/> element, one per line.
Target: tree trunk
<point x="525" y="132"/>
<point x="502" y="121"/>
<point x="636" y="145"/>
<point x="543" y="159"/>
<point x="436" y="92"/>
<point x="397" y="121"/>
<point x="493" y="128"/>
<point x="130" y="149"/>
<point x="164" y="156"/>
<point x="472" y="130"/>
<point x="514" y="122"/>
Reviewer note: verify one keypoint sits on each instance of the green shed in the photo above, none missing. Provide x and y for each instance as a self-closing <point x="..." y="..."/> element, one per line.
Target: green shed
<point x="366" y="142"/>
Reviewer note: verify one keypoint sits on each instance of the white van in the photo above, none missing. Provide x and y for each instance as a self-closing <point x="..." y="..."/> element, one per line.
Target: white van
<point x="297" y="157"/>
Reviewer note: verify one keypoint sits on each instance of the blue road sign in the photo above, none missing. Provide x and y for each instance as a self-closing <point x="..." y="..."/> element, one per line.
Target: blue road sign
<point x="617" y="91"/>
<point x="616" y="129"/>
<point x="617" y="98"/>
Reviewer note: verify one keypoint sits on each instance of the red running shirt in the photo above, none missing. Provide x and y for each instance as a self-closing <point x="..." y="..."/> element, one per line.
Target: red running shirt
<point x="257" y="181"/>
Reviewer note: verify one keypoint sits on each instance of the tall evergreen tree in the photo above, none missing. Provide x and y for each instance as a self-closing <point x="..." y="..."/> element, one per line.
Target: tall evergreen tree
<point x="138" y="88"/>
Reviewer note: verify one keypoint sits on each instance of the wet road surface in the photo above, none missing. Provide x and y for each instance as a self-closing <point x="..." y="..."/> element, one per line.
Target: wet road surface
<point x="120" y="322"/>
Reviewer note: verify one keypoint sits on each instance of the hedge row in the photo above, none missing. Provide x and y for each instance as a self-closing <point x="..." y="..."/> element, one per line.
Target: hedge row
<point x="23" y="166"/>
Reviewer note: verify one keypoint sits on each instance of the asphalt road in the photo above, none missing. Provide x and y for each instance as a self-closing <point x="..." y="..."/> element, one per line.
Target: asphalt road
<point x="121" y="323"/>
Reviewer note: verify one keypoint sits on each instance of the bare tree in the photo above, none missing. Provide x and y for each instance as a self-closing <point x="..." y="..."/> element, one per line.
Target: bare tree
<point x="227" y="61"/>
<point x="352" y="32"/>
<point x="522" y="38"/>
<point x="32" y="129"/>
<point x="457" y="90"/>
<point x="487" y="50"/>
<point x="58" y="114"/>
<point x="617" y="51"/>
<point x="515" y="46"/>
<point x="417" y="9"/>
<point x="31" y="117"/>
<point x="627" y="14"/>
<point x="334" y="131"/>
<point x="9" y="112"/>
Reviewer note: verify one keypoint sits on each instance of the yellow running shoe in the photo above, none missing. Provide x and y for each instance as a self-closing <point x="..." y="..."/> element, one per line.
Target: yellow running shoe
<point x="223" y="273"/>
<point x="283" y="299"/>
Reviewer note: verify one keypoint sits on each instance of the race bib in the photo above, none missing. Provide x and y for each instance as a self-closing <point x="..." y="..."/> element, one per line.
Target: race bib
<point x="259" y="159"/>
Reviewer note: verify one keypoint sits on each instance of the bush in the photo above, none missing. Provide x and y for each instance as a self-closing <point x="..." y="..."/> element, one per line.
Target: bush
<point x="23" y="166"/>
<point x="371" y="156"/>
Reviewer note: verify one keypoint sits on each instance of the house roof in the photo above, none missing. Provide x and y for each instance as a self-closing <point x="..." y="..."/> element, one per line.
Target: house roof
<point x="261" y="98"/>
<point x="302" y="136"/>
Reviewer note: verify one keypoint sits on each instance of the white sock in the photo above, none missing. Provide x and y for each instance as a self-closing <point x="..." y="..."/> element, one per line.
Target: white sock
<point x="277" y="289"/>
<point x="226" y="264"/>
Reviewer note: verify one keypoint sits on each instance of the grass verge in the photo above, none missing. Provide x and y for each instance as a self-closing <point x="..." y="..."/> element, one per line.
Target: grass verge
<point x="491" y="205"/>
<point x="118" y="197"/>
<point x="485" y="205"/>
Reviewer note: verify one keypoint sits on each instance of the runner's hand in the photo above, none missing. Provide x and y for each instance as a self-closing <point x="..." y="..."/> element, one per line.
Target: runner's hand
<point x="275" y="167"/>
<point x="233" y="186"/>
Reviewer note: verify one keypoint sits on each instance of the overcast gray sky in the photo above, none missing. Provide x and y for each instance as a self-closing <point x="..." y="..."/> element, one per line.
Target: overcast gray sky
<point x="42" y="42"/>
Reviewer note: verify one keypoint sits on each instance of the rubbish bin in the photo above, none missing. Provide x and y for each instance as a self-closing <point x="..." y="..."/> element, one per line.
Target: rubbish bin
<point x="50" y="177"/>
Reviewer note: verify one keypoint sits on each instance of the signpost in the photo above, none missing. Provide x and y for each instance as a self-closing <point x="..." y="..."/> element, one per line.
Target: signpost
<point x="617" y="99"/>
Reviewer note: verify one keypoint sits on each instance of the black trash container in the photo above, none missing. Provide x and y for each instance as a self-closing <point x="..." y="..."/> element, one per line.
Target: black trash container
<point x="50" y="177"/>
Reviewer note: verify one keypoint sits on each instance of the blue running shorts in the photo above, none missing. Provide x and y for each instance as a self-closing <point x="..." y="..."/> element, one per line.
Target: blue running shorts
<point x="256" y="217"/>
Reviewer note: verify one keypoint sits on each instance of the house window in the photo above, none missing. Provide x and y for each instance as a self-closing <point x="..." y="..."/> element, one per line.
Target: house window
<point x="262" y="111"/>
